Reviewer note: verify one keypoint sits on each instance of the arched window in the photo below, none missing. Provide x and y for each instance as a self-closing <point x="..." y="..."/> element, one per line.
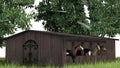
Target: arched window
<point x="30" y="52"/>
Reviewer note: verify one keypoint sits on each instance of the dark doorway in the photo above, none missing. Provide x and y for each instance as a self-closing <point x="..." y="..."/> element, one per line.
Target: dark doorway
<point x="30" y="52"/>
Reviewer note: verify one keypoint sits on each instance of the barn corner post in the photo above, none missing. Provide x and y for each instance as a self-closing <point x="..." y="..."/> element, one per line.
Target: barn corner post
<point x="113" y="48"/>
<point x="6" y="52"/>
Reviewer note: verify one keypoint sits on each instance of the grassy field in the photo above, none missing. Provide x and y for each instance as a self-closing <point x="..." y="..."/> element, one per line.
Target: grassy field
<point x="114" y="64"/>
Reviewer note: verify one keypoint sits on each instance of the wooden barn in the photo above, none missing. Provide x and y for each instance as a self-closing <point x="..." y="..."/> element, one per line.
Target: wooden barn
<point x="50" y="48"/>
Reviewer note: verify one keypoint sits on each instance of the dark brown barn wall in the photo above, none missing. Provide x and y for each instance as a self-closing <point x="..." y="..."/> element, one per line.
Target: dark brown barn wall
<point x="10" y="51"/>
<point x="110" y="44"/>
<point x="44" y="48"/>
<point x="19" y="47"/>
<point x="14" y="48"/>
<point x="52" y="47"/>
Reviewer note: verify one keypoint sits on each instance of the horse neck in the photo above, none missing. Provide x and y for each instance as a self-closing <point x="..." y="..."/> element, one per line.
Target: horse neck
<point x="76" y="49"/>
<point x="96" y="50"/>
<point x="79" y="47"/>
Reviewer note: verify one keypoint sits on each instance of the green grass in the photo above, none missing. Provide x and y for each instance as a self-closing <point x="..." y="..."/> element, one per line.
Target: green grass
<point x="113" y="64"/>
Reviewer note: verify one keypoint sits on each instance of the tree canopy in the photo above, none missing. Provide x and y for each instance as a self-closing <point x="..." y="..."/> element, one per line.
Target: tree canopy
<point x="104" y="17"/>
<point x="62" y="16"/>
<point x="13" y="16"/>
<point x="69" y="16"/>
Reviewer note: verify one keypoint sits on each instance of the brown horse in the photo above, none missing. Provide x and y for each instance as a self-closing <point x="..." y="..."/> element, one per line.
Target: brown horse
<point x="80" y="51"/>
<point x="74" y="53"/>
<point x="98" y="50"/>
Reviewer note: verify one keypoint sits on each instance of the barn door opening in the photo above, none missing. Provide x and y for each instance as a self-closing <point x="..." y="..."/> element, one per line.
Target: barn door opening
<point x="30" y="52"/>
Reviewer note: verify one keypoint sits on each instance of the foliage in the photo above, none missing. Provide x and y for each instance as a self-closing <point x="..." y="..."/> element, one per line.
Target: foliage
<point x="13" y="16"/>
<point x="62" y="16"/>
<point x="104" y="17"/>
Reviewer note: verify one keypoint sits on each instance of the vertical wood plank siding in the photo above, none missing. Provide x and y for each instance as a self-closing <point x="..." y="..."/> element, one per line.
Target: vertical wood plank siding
<point x="52" y="47"/>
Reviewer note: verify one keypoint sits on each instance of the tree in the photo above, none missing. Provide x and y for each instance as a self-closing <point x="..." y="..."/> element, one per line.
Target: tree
<point x="69" y="16"/>
<point x="62" y="16"/>
<point x="13" y="16"/>
<point x="104" y="17"/>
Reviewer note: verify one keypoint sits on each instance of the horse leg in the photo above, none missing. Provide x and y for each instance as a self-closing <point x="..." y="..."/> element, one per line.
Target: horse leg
<point x="86" y="54"/>
<point x="89" y="53"/>
<point x="73" y="58"/>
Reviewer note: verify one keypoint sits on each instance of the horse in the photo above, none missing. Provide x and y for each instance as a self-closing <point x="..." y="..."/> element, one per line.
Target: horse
<point x="98" y="50"/>
<point x="70" y="53"/>
<point x="80" y="51"/>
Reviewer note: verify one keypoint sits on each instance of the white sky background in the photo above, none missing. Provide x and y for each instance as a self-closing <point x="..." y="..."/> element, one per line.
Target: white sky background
<point x="39" y="26"/>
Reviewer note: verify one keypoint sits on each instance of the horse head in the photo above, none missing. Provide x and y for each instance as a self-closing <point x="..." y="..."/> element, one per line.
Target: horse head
<point x="102" y="48"/>
<point x="98" y="49"/>
<point x="78" y="49"/>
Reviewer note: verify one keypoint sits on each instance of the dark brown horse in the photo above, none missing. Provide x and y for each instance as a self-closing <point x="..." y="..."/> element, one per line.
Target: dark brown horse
<point x="70" y="53"/>
<point x="80" y="51"/>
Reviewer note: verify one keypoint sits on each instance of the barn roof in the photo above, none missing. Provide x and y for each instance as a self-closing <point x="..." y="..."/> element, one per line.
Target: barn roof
<point x="73" y="36"/>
